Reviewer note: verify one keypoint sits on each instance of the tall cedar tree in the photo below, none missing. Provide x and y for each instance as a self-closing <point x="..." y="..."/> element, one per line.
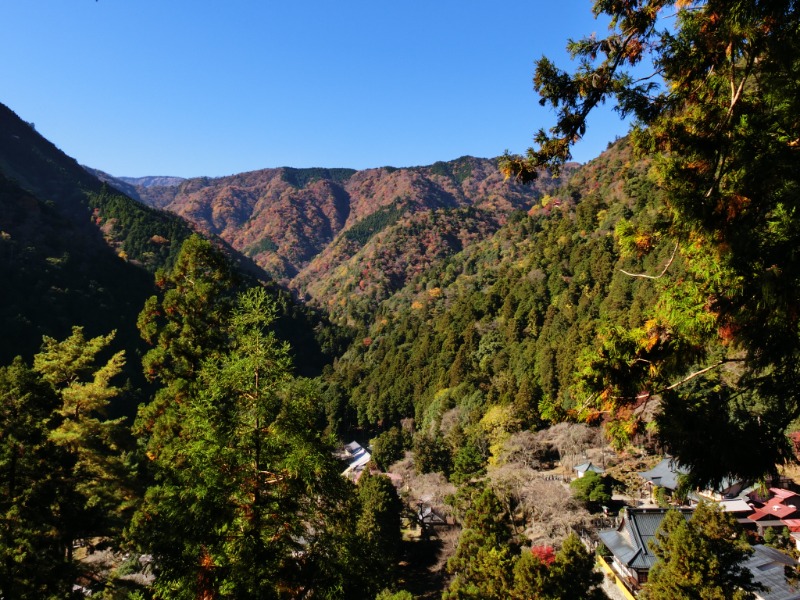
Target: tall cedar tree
<point x="482" y="565"/>
<point x="33" y="560"/>
<point x="92" y="442"/>
<point x="719" y="117"/>
<point x="700" y="558"/>
<point x="247" y="500"/>
<point x="183" y="326"/>
<point x="62" y="476"/>
<point x="378" y="524"/>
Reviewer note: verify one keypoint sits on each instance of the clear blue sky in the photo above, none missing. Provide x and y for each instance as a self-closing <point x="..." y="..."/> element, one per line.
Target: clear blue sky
<point x="189" y="88"/>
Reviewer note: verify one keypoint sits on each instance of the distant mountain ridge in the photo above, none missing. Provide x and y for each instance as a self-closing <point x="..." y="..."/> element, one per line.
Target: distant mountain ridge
<point x="306" y="227"/>
<point x="130" y="186"/>
<point x="153" y="181"/>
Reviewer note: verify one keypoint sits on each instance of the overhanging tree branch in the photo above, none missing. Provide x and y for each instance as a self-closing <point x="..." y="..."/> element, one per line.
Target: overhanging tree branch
<point x="663" y="271"/>
<point x="688" y="378"/>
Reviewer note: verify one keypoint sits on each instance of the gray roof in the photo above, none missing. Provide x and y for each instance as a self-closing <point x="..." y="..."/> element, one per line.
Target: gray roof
<point x="729" y="482"/>
<point x="588" y="467"/>
<point x="767" y="566"/>
<point x="428" y="516"/>
<point x="664" y="474"/>
<point x="630" y="541"/>
<point x="356" y="456"/>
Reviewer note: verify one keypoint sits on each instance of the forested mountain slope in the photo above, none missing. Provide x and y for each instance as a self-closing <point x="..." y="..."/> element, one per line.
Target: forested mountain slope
<point x="57" y="273"/>
<point x="347" y="239"/>
<point x="72" y="251"/>
<point x="146" y="236"/>
<point x="512" y="320"/>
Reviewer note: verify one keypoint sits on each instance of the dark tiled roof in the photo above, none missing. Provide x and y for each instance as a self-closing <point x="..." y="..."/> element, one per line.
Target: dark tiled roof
<point x="630" y="541"/>
<point x="664" y="474"/>
<point x="429" y="517"/>
<point x="767" y="566"/>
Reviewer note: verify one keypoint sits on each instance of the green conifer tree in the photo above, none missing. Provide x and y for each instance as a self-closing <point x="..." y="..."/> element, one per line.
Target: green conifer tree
<point x="569" y="576"/>
<point x="700" y="558"/>
<point x="62" y="476"/>
<point x="248" y="494"/>
<point x="33" y="560"/>
<point x="94" y="475"/>
<point x="184" y="325"/>
<point x="482" y="566"/>
<point x="378" y="524"/>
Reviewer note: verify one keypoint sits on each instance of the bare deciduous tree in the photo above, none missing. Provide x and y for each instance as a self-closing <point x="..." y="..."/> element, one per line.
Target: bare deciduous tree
<point x="429" y="489"/>
<point x="552" y="512"/>
<point x="571" y="440"/>
<point x="524" y="448"/>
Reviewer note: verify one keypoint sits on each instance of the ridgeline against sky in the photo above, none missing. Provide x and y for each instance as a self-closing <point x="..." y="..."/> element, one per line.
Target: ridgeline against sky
<point x="195" y="88"/>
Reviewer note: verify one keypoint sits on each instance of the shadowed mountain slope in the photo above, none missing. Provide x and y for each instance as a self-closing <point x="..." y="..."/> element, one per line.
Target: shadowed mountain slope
<point x="75" y="251"/>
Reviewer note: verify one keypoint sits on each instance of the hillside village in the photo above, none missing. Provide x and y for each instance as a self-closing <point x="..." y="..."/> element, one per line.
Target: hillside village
<point x="621" y="532"/>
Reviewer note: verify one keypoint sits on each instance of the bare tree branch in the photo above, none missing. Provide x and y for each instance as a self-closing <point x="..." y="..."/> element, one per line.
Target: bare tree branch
<point x="647" y="395"/>
<point x="663" y="271"/>
<point x="691" y="376"/>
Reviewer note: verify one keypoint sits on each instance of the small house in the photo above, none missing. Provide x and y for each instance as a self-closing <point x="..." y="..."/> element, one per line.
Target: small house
<point x="581" y="470"/>
<point x="727" y="489"/>
<point x="665" y="474"/>
<point x="428" y="517"/>
<point x="357" y="459"/>
<point x="780" y="509"/>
